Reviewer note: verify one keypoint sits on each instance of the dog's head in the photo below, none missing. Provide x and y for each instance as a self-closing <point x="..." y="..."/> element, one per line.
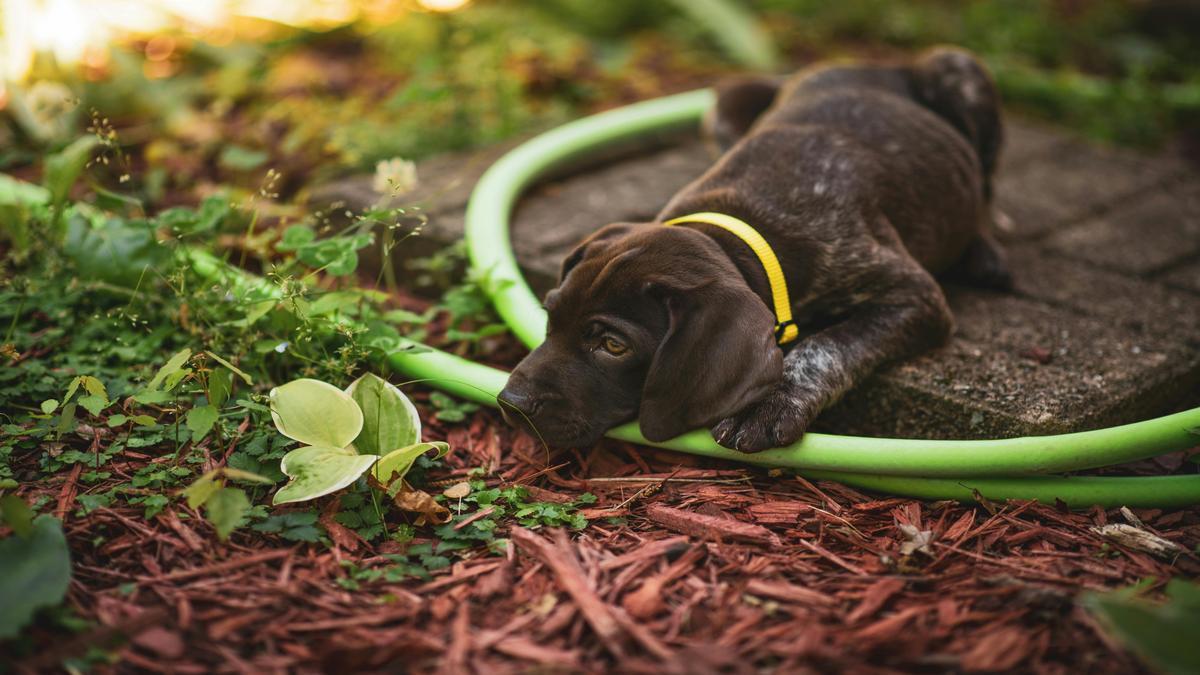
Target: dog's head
<point x="647" y="322"/>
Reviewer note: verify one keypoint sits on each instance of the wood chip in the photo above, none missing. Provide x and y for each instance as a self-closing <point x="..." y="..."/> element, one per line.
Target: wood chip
<point x="709" y="527"/>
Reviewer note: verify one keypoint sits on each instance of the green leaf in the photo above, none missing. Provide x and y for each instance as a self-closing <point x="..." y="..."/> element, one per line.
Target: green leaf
<point x="236" y="371"/>
<point x="150" y="396"/>
<point x="247" y="476"/>
<point x="17" y="514"/>
<point x="172" y="365"/>
<point x="239" y="158"/>
<point x="93" y="403"/>
<point x="120" y="252"/>
<point x="315" y="413"/>
<point x="226" y="509"/>
<point x="49" y="405"/>
<point x="63" y="168"/>
<point x="390" y="420"/>
<point x="143" y="420"/>
<point x="1163" y="635"/>
<point x="117" y="420"/>
<point x="66" y="419"/>
<point x="220" y="383"/>
<point x="201" y="489"/>
<point x="395" y="465"/>
<point x="316" y="471"/>
<point x="294" y="237"/>
<point x="34" y="573"/>
<point x="72" y="388"/>
<point x="93" y="386"/>
<point x="200" y="420"/>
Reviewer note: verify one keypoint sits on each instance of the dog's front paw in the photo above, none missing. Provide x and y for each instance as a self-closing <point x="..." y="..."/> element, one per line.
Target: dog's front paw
<point x="779" y="419"/>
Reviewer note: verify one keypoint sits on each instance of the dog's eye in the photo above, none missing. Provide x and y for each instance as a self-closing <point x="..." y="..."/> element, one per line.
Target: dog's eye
<point x="613" y="346"/>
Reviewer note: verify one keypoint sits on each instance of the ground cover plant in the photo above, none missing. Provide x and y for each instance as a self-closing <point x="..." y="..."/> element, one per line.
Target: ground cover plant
<point x="172" y="313"/>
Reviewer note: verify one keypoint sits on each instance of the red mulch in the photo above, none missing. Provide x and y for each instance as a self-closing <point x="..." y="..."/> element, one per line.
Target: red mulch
<point x="715" y="569"/>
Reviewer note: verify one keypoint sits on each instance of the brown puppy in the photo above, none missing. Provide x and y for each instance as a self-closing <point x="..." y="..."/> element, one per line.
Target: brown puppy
<point x="864" y="180"/>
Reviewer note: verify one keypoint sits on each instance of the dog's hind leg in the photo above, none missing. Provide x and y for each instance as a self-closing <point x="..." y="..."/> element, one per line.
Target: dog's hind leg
<point x="954" y="84"/>
<point x="740" y="102"/>
<point x="984" y="264"/>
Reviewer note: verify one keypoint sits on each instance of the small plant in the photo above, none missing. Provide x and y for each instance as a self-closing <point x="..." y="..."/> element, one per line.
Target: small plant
<point x="1162" y="634"/>
<point x="370" y="424"/>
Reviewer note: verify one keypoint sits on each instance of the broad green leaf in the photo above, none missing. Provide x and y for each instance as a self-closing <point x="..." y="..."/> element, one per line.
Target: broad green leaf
<point x="201" y="489"/>
<point x="66" y="419"/>
<point x="200" y="421"/>
<point x="172" y="365"/>
<point x="118" y="251"/>
<point x="18" y="192"/>
<point x="49" y="405"/>
<point x="17" y="514"/>
<point x="316" y="471"/>
<point x="315" y="413"/>
<point x="143" y="420"/>
<point x="220" y="383"/>
<point x="175" y="378"/>
<point x="395" y="465"/>
<point x="1162" y="634"/>
<point x="72" y="388"/>
<point x="63" y="168"/>
<point x="93" y="386"/>
<point x="390" y="420"/>
<point x="93" y="403"/>
<point x="247" y="476"/>
<point x="34" y="573"/>
<point x="294" y="237"/>
<point x="226" y="509"/>
<point x="236" y="371"/>
<point x="148" y="396"/>
<point x="241" y="158"/>
<point x="117" y="420"/>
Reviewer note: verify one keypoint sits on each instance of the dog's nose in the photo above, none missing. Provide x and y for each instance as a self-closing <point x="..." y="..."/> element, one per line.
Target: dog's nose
<point x="517" y="404"/>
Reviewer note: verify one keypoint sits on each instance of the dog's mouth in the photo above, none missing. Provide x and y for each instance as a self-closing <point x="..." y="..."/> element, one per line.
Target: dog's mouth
<point x="559" y="429"/>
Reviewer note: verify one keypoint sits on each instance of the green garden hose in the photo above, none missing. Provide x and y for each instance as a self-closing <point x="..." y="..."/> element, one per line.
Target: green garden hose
<point x="997" y="469"/>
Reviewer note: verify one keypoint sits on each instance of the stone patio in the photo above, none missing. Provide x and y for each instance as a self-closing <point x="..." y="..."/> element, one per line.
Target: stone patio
<point x="1104" y="326"/>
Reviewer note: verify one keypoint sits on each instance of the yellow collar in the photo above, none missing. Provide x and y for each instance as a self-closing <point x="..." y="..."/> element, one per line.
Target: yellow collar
<point x="785" y="328"/>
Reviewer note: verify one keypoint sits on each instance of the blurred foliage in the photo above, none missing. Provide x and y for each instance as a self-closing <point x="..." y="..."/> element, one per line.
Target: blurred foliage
<point x="1111" y="69"/>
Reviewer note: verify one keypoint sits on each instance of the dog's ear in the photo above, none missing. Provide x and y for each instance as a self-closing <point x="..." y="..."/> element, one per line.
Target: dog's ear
<point x="719" y="355"/>
<point x="592" y="245"/>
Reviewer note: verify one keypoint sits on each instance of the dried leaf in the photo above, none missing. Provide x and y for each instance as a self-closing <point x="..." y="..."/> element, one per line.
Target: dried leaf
<point x="421" y="502"/>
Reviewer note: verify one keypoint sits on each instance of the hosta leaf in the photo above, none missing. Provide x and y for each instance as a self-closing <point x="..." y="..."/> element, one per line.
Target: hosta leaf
<point x="390" y="420"/>
<point x="315" y="471"/>
<point x="315" y="413"/>
<point x="395" y="465"/>
<point x="34" y="573"/>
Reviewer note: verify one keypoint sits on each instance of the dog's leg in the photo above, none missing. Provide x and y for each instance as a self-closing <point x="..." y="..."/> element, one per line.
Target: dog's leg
<point x="907" y="319"/>
<point x="983" y="265"/>
<point x="740" y="102"/>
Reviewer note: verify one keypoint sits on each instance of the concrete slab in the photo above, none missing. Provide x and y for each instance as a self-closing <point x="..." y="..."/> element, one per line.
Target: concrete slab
<point x="1027" y="141"/>
<point x="1141" y="237"/>
<point x="1074" y="181"/>
<point x="1185" y="277"/>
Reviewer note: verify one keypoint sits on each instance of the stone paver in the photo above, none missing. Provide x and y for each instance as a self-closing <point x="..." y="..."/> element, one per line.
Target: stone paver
<point x="1141" y="237"/>
<point x="1073" y="181"/>
<point x="1186" y="277"/>
<point x="1103" y="327"/>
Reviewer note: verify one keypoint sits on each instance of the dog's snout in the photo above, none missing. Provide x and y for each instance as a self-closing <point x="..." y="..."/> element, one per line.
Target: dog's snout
<point x="519" y="400"/>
